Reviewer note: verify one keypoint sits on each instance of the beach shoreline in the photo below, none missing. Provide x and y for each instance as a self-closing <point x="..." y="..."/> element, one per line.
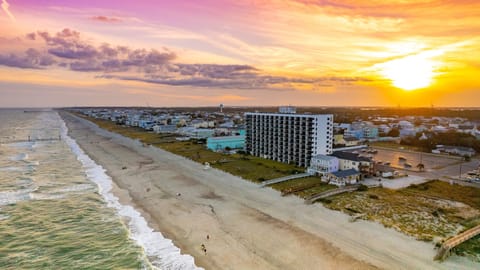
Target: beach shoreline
<point x="249" y="227"/>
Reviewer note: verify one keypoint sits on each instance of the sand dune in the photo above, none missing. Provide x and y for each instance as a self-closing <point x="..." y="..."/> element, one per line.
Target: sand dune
<point x="249" y="227"/>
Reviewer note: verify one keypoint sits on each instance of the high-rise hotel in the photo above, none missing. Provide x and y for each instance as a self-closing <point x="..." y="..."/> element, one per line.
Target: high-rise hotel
<point x="289" y="137"/>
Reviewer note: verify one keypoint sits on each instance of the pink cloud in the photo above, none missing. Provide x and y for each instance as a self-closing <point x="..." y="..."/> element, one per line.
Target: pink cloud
<point x="105" y="19"/>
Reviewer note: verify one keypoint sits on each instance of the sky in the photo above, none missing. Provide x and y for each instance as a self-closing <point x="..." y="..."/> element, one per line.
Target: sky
<point x="404" y="53"/>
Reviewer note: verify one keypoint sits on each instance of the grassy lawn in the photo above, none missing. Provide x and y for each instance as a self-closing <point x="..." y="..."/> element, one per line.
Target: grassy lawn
<point x="396" y="146"/>
<point x="309" y="185"/>
<point x="248" y="167"/>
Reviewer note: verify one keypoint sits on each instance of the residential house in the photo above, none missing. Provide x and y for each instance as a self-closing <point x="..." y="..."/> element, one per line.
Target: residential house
<point x="322" y="164"/>
<point x="456" y="150"/>
<point x="349" y="160"/>
<point x="342" y="178"/>
<point x="225" y="142"/>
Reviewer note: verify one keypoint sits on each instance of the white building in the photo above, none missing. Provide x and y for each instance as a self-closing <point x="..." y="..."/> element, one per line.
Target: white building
<point x="289" y="138"/>
<point x="354" y="161"/>
<point x="321" y="164"/>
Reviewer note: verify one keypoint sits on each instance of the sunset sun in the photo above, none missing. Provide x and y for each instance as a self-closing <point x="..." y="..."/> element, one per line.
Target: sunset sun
<point x="411" y="72"/>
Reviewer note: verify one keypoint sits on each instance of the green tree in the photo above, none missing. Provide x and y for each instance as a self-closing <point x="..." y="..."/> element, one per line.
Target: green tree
<point x="394" y="132"/>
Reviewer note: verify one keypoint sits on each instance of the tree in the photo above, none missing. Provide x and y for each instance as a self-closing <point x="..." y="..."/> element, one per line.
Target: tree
<point x="421" y="167"/>
<point x="394" y="132"/>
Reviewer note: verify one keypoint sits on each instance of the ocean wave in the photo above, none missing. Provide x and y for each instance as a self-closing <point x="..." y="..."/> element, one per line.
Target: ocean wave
<point x="73" y="188"/>
<point x="161" y="251"/>
<point x="11" y="197"/>
<point x="47" y="196"/>
<point x="19" y="157"/>
<point x="11" y="169"/>
<point x="27" y="145"/>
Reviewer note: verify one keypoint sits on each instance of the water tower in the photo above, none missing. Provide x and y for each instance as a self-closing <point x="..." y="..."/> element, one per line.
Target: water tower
<point x="221" y="108"/>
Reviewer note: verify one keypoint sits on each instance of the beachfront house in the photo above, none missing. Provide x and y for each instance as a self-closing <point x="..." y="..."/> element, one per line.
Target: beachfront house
<point x="322" y="164"/>
<point x="196" y="133"/>
<point x="226" y="142"/>
<point x="351" y="141"/>
<point x="342" y="178"/>
<point x="165" y="128"/>
<point x="349" y="160"/>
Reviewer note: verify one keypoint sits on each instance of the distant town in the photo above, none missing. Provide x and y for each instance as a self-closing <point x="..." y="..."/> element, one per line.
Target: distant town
<point x="345" y="146"/>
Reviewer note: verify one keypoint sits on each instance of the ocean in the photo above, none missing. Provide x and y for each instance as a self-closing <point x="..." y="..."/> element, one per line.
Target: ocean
<point x="57" y="210"/>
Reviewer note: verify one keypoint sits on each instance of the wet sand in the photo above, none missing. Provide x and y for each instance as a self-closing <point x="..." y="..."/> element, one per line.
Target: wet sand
<point x="249" y="227"/>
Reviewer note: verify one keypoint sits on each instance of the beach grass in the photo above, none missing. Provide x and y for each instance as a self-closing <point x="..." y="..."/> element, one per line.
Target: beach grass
<point x="430" y="211"/>
<point x="470" y="248"/>
<point x="307" y="186"/>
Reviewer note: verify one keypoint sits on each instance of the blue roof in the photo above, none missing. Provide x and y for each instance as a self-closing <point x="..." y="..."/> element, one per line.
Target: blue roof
<point x="222" y="138"/>
<point x="346" y="173"/>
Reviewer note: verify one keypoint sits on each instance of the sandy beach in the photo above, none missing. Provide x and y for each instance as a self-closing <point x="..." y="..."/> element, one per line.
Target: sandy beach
<point x="248" y="227"/>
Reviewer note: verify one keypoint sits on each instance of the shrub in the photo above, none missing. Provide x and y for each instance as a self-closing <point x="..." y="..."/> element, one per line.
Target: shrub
<point x="373" y="196"/>
<point x="326" y="200"/>
<point x="362" y="188"/>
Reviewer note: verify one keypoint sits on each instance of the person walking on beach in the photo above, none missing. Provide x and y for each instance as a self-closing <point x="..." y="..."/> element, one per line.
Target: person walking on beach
<point x="208" y="237"/>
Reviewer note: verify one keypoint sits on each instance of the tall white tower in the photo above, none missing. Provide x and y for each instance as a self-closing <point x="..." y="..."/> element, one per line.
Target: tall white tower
<point x="221" y="108"/>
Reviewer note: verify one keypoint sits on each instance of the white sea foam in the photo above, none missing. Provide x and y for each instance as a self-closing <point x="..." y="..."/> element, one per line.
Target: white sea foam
<point x="162" y="253"/>
<point x="20" y="157"/>
<point x="10" y="197"/>
<point x="42" y="196"/>
<point x="11" y="169"/>
<point x="73" y="188"/>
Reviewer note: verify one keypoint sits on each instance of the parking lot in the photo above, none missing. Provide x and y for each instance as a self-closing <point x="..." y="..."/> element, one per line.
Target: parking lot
<point x="436" y="166"/>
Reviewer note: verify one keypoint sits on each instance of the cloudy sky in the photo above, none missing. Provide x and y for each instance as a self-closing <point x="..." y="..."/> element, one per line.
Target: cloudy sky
<point x="236" y="52"/>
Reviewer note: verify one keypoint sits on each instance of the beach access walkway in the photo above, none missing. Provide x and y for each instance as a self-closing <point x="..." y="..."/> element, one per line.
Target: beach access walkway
<point x="448" y="245"/>
<point x="284" y="178"/>
<point x="329" y="193"/>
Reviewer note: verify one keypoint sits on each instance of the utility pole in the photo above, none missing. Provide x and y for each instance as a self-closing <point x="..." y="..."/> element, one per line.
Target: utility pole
<point x="460" y="171"/>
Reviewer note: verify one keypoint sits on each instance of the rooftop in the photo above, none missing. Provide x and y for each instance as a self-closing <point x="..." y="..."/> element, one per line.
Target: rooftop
<point x="346" y="173"/>
<point x="324" y="157"/>
<point x="350" y="156"/>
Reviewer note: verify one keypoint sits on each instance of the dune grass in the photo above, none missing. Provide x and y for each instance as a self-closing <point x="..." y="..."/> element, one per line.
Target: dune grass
<point x="430" y="211"/>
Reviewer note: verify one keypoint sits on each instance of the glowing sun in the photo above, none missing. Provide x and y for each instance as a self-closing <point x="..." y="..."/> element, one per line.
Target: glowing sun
<point x="411" y="72"/>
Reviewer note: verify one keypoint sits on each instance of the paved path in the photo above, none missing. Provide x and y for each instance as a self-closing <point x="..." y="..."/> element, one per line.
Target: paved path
<point x="283" y="179"/>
